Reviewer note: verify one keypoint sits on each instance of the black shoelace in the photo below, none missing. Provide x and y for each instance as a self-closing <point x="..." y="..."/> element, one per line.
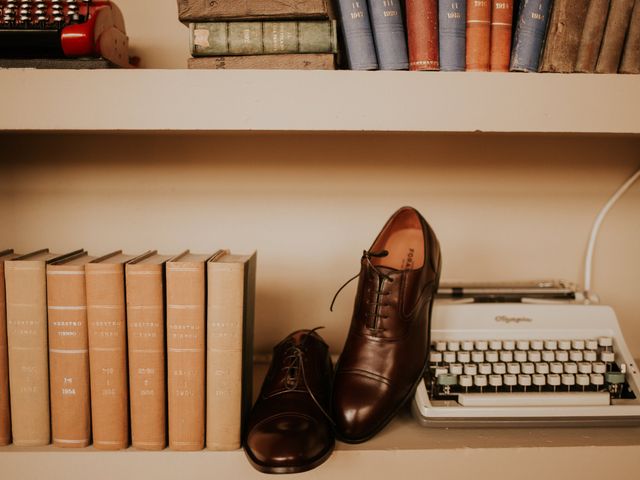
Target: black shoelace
<point x="294" y="359"/>
<point x="380" y="293"/>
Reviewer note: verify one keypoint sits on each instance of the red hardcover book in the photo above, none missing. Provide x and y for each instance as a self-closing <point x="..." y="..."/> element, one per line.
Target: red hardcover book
<point x="422" y="33"/>
<point x="478" y="35"/>
<point x="501" y="26"/>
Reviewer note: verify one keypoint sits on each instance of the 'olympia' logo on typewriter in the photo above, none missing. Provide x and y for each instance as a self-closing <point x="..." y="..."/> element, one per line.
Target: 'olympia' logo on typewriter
<point x="507" y="319"/>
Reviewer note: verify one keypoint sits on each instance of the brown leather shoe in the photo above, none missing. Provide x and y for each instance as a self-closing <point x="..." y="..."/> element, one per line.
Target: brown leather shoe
<point x="386" y="351"/>
<point x="289" y="429"/>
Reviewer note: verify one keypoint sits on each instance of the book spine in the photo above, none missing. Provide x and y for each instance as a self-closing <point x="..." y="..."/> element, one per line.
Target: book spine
<point x="262" y="38"/>
<point x="68" y="356"/>
<point x="631" y="55"/>
<point x="452" y="19"/>
<point x="106" y="317"/>
<point x="478" y="35"/>
<point x="248" y="321"/>
<point x="358" y="38"/>
<point x="28" y="360"/>
<point x="422" y="34"/>
<point x="293" y="61"/>
<point x="563" y="36"/>
<point x="5" y="408"/>
<point x="146" y="341"/>
<point x="201" y="10"/>
<point x="614" y="36"/>
<point x="501" y="27"/>
<point x="224" y="354"/>
<point x="529" y="37"/>
<point x="389" y="34"/>
<point x="591" y="38"/>
<point x="186" y="354"/>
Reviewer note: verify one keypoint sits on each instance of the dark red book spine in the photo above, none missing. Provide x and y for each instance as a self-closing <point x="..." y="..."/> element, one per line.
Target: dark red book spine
<point x="422" y="32"/>
<point x="501" y="26"/>
<point x="478" y="35"/>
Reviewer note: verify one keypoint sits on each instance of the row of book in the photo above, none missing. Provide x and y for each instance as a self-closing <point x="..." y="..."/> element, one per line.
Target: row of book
<point x="264" y="34"/>
<point x="600" y="36"/>
<point x="120" y="350"/>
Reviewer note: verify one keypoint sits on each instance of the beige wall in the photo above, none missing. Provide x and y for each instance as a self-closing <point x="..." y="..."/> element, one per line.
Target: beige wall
<point x="503" y="206"/>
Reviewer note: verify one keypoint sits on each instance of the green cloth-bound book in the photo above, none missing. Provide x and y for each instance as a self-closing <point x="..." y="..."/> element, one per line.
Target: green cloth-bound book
<point x="262" y="38"/>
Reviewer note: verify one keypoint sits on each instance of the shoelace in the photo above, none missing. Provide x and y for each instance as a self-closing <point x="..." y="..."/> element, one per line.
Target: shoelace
<point x="368" y="255"/>
<point x="295" y="371"/>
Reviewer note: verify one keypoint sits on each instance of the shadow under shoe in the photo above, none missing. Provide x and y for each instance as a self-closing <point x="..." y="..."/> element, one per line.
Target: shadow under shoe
<point x="289" y="429"/>
<point x="387" y="347"/>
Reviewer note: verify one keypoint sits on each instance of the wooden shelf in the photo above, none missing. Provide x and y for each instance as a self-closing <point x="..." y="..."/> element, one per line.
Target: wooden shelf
<point x="184" y="100"/>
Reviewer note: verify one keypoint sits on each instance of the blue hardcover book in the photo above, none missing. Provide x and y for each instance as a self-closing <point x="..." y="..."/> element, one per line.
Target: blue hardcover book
<point x="356" y="31"/>
<point x="452" y="17"/>
<point x="389" y="34"/>
<point x="530" y="33"/>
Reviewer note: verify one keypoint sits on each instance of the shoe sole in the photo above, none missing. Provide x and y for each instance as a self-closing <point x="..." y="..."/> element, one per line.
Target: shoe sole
<point x="412" y="391"/>
<point x="262" y="468"/>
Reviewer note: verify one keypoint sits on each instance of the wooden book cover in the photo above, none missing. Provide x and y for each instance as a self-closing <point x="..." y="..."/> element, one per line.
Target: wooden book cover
<point x="69" y="352"/>
<point x="614" y="36"/>
<point x="591" y="38"/>
<point x="563" y="35"/>
<point x="186" y="293"/>
<point x="230" y="308"/>
<point x="294" y="61"/>
<point x="501" y="28"/>
<point x="146" y="340"/>
<point x="26" y="290"/>
<point x="206" y="10"/>
<point x="106" y="314"/>
<point x="5" y="407"/>
<point x="422" y="34"/>
<point x="478" y="35"/>
<point x="631" y="54"/>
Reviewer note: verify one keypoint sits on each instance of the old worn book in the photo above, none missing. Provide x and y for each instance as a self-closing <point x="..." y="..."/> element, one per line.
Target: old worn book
<point x="106" y="314"/>
<point x="530" y="32"/>
<point x="452" y="20"/>
<point x="290" y="61"/>
<point x="26" y="291"/>
<point x="614" y="36"/>
<point x="146" y="343"/>
<point x="422" y="34"/>
<point x="501" y="28"/>
<point x="263" y="38"/>
<point x="478" y="35"/>
<point x="631" y="54"/>
<point x="389" y="36"/>
<point x="231" y="283"/>
<point x="5" y="407"/>
<point x="563" y="35"/>
<point x="591" y="38"/>
<point x="186" y="301"/>
<point x="69" y="352"/>
<point x="357" y="35"/>
<point x="205" y="10"/>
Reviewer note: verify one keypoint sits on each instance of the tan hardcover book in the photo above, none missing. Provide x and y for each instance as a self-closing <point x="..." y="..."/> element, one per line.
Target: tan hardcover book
<point x="186" y="350"/>
<point x="205" y="10"/>
<point x="631" y="54"/>
<point x="146" y="342"/>
<point x="69" y="352"/>
<point x="291" y="61"/>
<point x="563" y="36"/>
<point x="106" y="314"/>
<point x="230" y="300"/>
<point x="5" y="407"/>
<point x="26" y="290"/>
<point x="614" y="36"/>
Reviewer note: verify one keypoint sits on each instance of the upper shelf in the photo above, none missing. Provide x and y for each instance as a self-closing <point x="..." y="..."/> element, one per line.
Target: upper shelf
<point x="212" y="100"/>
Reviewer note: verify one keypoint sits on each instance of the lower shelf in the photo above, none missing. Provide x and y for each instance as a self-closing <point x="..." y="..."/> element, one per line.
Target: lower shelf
<point x="403" y="448"/>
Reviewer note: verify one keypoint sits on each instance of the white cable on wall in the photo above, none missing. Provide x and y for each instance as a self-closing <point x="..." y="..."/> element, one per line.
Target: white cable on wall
<point x="588" y="263"/>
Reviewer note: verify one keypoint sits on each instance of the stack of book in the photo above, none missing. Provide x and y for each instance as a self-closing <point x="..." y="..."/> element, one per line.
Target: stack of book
<point x="601" y="36"/>
<point x="147" y="350"/>
<point x="261" y="34"/>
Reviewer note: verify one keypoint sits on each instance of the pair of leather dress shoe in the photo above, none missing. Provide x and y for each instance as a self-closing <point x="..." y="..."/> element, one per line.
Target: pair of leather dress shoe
<point x="304" y="404"/>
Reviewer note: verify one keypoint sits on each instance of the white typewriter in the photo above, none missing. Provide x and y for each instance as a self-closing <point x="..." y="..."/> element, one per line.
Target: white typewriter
<point x="502" y="364"/>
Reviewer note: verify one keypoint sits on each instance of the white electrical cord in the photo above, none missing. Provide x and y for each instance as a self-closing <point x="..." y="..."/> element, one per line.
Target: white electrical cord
<point x="588" y="262"/>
